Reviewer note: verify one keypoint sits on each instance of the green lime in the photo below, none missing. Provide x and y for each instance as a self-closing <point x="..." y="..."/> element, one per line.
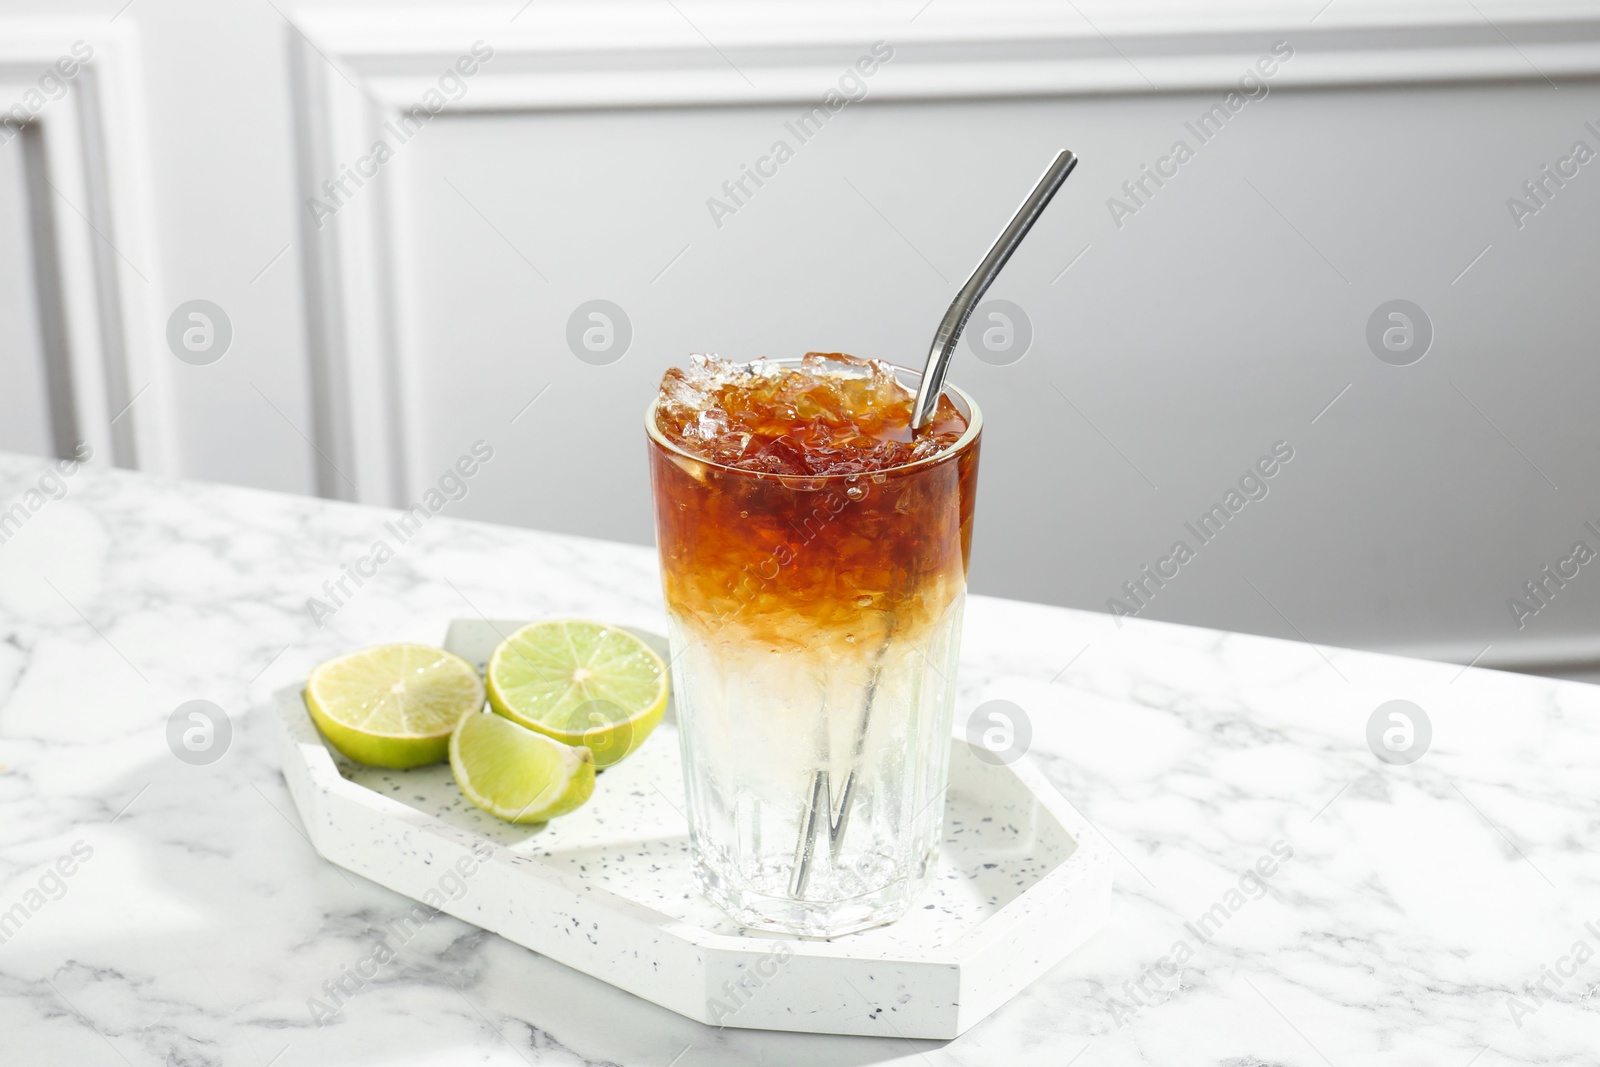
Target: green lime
<point x="393" y="705"/>
<point x="516" y="774"/>
<point x="582" y="683"/>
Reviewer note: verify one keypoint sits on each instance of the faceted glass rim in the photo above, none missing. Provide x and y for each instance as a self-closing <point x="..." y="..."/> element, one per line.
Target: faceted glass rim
<point x="954" y="392"/>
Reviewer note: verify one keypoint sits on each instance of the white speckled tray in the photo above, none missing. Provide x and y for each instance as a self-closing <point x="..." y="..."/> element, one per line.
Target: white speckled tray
<point x="1022" y="881"/>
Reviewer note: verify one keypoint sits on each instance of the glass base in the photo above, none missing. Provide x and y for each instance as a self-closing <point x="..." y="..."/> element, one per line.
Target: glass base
<point x="778" y="912"/>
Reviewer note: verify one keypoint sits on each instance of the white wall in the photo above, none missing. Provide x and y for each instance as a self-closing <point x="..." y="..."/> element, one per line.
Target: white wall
<point x="1222" y="317"/>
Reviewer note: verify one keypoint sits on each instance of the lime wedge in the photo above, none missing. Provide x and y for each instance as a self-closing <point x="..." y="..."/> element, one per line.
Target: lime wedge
<point x="393" y="705"/>
<point x="582" y="683"/>
<point x="516" y="774"/>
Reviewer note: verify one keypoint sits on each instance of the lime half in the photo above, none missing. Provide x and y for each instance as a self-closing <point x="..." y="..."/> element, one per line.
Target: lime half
<point x="393" y="705"/>
<point x="517" y="774"/>
<point x="582" y="683"/>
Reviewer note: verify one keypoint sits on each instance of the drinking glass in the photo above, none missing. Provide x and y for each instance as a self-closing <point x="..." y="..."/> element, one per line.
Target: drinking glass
<point x="815" y="627"/>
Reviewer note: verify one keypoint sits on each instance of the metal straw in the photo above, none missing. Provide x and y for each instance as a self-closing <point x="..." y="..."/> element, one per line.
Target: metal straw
<point x="955" y="320"/>
<point x="820" y="809"/>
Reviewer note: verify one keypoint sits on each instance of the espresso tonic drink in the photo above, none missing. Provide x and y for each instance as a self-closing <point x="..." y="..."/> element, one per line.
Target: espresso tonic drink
<point x="814" y="556"/>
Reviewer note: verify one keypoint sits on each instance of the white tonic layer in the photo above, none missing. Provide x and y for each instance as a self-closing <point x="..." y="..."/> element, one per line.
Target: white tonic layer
<point x="757" y="724"/>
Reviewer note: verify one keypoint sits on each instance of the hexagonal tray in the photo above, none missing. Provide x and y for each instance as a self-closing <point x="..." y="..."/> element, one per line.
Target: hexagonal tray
<point x="1022" y="881"/>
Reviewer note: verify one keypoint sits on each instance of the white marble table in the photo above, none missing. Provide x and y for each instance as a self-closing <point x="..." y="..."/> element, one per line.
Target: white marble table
<point x="197" y="922"/>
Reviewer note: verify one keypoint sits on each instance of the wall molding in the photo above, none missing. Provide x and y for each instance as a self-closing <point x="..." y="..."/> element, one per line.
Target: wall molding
<point x="90" y="225"/>
<point x="354" y="70"/>
<point x="567" y="55"/>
